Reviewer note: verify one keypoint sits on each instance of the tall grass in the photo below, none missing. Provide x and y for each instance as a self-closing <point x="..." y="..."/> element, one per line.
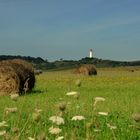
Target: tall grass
<point x="120" y="88"/>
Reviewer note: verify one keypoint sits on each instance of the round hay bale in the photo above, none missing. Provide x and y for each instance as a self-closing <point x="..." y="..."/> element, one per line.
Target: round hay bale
<point x="24" y="72"/>
<point x="9" y="80"/>
<point x="27" y="73"/>
<point x="86" y="69"/>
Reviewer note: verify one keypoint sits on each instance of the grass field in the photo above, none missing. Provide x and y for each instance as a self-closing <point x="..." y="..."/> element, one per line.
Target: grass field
<point x="119" y="87"/>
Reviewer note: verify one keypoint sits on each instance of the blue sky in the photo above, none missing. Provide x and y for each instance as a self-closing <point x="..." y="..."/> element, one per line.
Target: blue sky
<point x="54" y="29"/>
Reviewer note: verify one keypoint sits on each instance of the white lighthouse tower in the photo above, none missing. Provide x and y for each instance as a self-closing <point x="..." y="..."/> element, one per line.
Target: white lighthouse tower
<point x="90" y="53"/>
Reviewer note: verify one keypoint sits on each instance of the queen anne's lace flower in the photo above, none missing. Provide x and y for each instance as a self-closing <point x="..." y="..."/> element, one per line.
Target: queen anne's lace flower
<point x="55" y="131"/>
<point x="14" y="97"/>
<point x="59" y="138"/>
<point x="30" y="138"/>
<point x="72" y="93"/>
<point x="3" y="124"/>
<point x="10" y="110"/>
<point x="103" y="113"/>
<point x="111" y="126"/>
<point x="97" y="99"/>
<point x="78" y="118"/>
<point x="57" y="120"/>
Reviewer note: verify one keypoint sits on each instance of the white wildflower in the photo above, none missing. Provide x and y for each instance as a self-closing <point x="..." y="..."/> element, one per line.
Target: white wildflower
<point x="111" y="126"/>
<point x="72" y="93"/>
<point x="97" y="130"/>
<point x="2" y="133"/>
<point x="103" y="113"/>
<point x="10" y="110"/>
<point x="97" y="99"/>
<point x="14" y="97"/>
<point x="3" y="124"/>
<point x="57" y="120"/>
<point x="59" y="138"/>
<point x="54" y="130"/>
<point x="78" y="118"/>
<point x="30" y="138"/>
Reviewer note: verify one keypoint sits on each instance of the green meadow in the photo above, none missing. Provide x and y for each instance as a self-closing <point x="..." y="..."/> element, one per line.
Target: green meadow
<point x="110" y="119"/>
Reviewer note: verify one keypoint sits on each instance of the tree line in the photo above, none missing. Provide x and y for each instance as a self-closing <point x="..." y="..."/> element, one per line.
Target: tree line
<point x="40" y="63"/>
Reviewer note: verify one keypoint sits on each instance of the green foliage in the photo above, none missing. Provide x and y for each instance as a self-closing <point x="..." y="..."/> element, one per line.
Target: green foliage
<point x="40" y="63"/>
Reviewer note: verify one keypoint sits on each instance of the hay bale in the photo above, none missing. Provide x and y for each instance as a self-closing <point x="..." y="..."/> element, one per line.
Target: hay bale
<point x="24" y="72"/>
<point x="131" y="70"/>
<point x="9" y="80"/>
<point x="86" y="69"/>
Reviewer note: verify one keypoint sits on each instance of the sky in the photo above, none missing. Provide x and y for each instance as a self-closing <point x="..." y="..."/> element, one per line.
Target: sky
<point x="67" y="29"/>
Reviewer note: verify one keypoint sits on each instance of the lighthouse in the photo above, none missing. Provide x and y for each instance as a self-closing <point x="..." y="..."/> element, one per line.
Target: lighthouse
<point x="90" y="53"/>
